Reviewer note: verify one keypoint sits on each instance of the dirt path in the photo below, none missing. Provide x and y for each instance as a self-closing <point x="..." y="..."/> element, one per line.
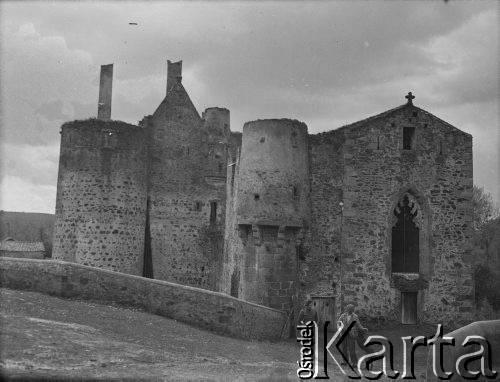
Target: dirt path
<point x="49" y="337"/>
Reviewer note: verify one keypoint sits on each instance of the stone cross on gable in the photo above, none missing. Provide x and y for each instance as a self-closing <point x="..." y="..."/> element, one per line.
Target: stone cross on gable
<point x="410" y="97"/>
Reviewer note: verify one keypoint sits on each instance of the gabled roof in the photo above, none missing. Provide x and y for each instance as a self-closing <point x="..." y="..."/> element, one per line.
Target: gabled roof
<point x="22" y="246"/>
<point x="177" y="96"/>
<point x="442" y="121"/>
<point x="372" y="118"/>
<point x="390" y="112"/>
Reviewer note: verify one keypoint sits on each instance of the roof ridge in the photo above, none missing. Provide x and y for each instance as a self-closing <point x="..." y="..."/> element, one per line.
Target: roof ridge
<point x="387" y="112"/>
<point x="178" y="87"/>
<point x="372" y="117"/>
<point x="22" y="246"/>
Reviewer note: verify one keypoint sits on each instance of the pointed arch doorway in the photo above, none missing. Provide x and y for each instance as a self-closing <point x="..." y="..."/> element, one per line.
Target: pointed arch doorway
<point x="405" y="254"/>
<point x="405" y="238"/>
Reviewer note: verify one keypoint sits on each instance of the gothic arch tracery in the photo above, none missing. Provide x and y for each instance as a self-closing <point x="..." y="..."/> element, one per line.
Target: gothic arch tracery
<point x="407" y="223"/>
<point x="415" y="209"/>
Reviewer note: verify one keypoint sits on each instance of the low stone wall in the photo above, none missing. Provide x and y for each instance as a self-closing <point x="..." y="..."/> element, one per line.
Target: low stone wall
<point x="198" y="307"/>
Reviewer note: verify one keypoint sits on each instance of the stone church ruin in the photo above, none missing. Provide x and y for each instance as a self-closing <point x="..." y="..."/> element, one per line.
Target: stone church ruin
<point x="377" y="213"/>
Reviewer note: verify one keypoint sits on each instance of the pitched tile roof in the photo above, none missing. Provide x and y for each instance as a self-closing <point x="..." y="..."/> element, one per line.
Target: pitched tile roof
<point x="22" y="246"/>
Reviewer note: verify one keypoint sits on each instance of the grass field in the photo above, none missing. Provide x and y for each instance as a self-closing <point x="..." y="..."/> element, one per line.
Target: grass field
<point x="45" y="337"/>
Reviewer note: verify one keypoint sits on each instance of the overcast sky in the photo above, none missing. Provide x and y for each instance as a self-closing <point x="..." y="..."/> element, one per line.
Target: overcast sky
<point x="324" y="63"/>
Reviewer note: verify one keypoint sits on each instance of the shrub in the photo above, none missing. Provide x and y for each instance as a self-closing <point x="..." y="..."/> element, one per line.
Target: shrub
<point x="487" y="287"/>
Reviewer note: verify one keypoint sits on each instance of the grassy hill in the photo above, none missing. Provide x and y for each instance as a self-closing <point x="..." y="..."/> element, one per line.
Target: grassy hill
<point x="49" y="337"/>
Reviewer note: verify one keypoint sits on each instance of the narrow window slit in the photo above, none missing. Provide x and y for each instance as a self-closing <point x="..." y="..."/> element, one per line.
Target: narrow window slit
<point x="408" y="138"/>
<point x="213" y="212"/>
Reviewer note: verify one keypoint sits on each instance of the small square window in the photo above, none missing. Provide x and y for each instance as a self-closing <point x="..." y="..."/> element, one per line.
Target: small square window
<point x="197" y="206"/>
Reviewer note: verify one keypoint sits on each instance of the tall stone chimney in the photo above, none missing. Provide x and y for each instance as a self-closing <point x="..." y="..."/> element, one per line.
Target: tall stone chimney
<point x="174" y="73"/>
<point x="105" y="92"/>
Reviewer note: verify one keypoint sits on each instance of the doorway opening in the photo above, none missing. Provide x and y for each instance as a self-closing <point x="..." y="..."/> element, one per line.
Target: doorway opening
<point x="325" y="306"/>
<point x="405" y="238"/>
<point x="147" y="269"/>
<point x="409" y="308"/>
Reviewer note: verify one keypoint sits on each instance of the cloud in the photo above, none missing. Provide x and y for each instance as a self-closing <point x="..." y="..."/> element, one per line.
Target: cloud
<point x="19" y="195"/>
<point x="325" y="63"/>
<point x="466" y="61"/>
<point x="29" y="177"/>
<point x="36" y="164"/>
<point x="244" y="51"/>
<point x="54" y="110"/>
<point x="40" y="73"/>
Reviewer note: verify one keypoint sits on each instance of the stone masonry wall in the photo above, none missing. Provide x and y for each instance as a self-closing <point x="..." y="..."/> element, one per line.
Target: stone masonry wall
<point x="101" y="195"/>
<point x="187" y="191"/>
<point x="233" y="254"/>
<point x="274" y="173"/>
<point x="269" y="199"/>
<point x="233" y="247"/>
<point x="268" y="265"/>
<point x="201" y="308"/>
<point x="319" y="267"/>
<point x="437" y="175"/>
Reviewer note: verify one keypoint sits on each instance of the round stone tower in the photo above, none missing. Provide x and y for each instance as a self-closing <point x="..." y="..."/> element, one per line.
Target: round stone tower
<point x="272" y="208"/>
<point x="102" y="195"/>
<point x="217" y="122"/>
